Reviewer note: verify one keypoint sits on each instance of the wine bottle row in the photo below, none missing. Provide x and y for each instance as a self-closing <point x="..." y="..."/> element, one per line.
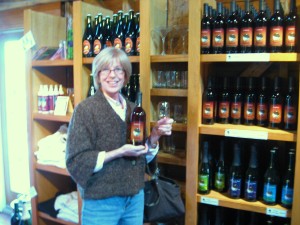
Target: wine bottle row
<point x="241" y="175"/>
<point x="251" y="105"/>
<point x="248" y="34"/>
<point x="121" y="31"/>
<point x="214" y="215"/>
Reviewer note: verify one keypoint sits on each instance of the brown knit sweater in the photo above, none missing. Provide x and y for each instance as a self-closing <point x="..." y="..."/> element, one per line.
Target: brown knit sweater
<point x="96" y="127"/>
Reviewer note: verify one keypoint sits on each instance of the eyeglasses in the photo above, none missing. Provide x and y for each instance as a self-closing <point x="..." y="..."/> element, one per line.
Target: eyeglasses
<point x="117" y="71"/>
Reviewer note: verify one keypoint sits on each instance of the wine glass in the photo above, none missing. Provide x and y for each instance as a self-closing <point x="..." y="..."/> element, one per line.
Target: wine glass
<point x="182" y="31"/>
<point x="162" y="31"/>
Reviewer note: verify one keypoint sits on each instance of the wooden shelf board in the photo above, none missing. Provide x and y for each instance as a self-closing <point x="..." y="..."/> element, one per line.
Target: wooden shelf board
<point x="172" y="159"/>
<point x="241" y="204"/>
<point x="251" y="57"/>
<point x="175" y="127"/>
<point x="50" y="63"/>
<point x="133" y="59"/>
<point x="52" y="169"/>
<point x="169" y="58"/>
<point x="219" y="129"/>
<point x="47" y="217"/>
<point x="51" y="117"/>
<point x="168" y="92"/>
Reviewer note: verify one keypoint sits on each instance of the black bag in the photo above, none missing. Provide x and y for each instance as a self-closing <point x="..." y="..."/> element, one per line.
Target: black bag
<point x="162" y="200"/>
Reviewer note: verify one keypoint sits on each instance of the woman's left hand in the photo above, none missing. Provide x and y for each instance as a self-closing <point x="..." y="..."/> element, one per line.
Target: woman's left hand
<point x="162" y="127"/>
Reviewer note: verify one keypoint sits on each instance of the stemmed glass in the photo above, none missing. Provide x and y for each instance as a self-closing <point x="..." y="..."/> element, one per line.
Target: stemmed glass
<point x="182" y="31"/>
<point x="162" y="31"/>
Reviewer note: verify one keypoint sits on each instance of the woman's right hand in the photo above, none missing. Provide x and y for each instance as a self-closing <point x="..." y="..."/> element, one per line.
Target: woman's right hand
<point x="133" y="150"/>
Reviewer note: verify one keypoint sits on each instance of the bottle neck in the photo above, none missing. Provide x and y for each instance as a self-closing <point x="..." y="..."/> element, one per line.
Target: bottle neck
<point x="272" y="158"/>
<point x="291" y="160"/>
<point x="205" y="153"/>
<point x="237" y="155"/>
<point x="253" y="157"/>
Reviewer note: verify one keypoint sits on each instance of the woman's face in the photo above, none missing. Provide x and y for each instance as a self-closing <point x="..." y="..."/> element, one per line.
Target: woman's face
<point x="112" y="79"/>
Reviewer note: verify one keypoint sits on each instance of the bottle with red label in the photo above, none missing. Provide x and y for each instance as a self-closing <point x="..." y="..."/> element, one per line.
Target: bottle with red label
<point x="118" y="35"/>
<point x="130" y="36"/>
<point x="290" y="106"/>
<point x="262" y="105"/>
<point x="260" y="29"/>
<point x="209" y="103"/>
<point x="107" y="33"/>
<point x="276" y="105"/>
<point x="98" y="39"/>
<point x="224" y="103"/>
<point x="137" y="31"/>
<point x="246" y="30"/>
<point x="218" y="31"/>
<point x="276" y="29"/>
<point x="88" y="38"/>
<point x="250" y="102"/>
<point x="232" y="30"/>
<point x="205" y="39"/>
<point x="290" y="24"/>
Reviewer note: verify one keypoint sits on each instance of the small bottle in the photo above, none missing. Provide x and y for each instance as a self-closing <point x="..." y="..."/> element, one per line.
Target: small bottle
<point x="271" y="180"/>
<point x="204" y="172"/>
<point x="288" y="182"/>
<point x="209" y="103"/>
<point x="88" y="37"/>
<point x="236" y="108"/>
<point x="290" y="106"/>
<point x="252" y="176"/>
<point x="276" y="105"/>
<point x="218" y="32"/>
<point x="51" y="98"/>
<point x="235" y="177"/>
<point x="250" y="103"/>
<point x="232" y="30"/>
<point x="92" y="89"/>
<point x="138" y="123"/>
<point x="40" y="99"/>
<point x="260" y="29"/>
<point x="220" y="170"/>
<point x="137" y="31"/>
<point x="16" y="217"/>
<point x="262" y="105"/>
<point x="276" y="29"/>
<point x="290" y="28"/>
<point x="224" y="103"/>
<point x="246" y="30"/>
<point x="205" y="38"/>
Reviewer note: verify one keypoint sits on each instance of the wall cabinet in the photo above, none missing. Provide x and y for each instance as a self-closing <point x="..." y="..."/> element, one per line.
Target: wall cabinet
<point x="48" y="30"/>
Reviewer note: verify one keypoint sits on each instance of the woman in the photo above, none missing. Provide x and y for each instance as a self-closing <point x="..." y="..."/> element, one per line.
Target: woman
<point x="109" y="172"/>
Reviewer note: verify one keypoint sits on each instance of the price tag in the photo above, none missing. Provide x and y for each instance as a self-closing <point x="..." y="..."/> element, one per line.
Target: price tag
<point x="276" y="212"/>
<point x="261" y="135"/>
<point x="209" y="201"/>
<point x="255" y="57"/>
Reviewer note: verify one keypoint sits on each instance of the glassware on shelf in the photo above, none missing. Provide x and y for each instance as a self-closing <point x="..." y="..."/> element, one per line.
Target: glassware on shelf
<point x="162" y="32"/>
<point x="182" y="31"/>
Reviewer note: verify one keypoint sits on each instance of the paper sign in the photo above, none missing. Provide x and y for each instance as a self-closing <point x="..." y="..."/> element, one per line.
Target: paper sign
<point x="61" y="105"/>
<point x="209" y="201"/>
<point x="255" y="57"/>
<point x="28" y="41"/>
<point x="260" y="135"/>
<point x="276" y="212"/>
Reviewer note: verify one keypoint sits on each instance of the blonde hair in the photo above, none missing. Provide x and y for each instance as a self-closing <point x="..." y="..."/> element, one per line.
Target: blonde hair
<point x="104" y="59"/>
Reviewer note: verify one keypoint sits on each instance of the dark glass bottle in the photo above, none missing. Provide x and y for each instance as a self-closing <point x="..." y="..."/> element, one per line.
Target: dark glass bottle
<point x="276" y="29"/>
<point x="138" y="123"/>
<point x="236" y="108"/>
<point x="271" y="180"/>
<point x="220" y="170"/>
<point x="246" y="30"/>
<point x="118" y="35"/>
<point x="262" y="104"/>
<point x="88" y="38"/>
<point x="260" y="29"/>
<point x="26" y="218"/>
<point x="204" y="172"/>
<point x="16" y="217"/>
<point x="98" y="39"/>
<point x="290" y="28"/>
<point x="137" y="31"/>
<point x="276" y="105"/>
<point x="290" y="106"/>
<point x="232" y="30"/>
<point x="252" y="176"/>
<point x="203" y="215"/>
<point x="250" y="102"/>
<point x="206" y="26"/>
<point x="209" y="103"/>
<point x="130" y="35"/>
<point x="287" y="190"/>
<point x="224" y="103"/>
<point x="92" y="90"/>
<point x="107" y="32"/>
<point x="218" y="217"/>
<point x="235" y="177"/>
<point x="218" y="32"/>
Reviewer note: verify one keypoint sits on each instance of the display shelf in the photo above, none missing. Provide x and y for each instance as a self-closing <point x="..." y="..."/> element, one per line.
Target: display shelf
<point x="168" y="58"/>
<point x="47" y="217"/>
<point x="216" y="198"/>
<point x="175" y="127"/>
<point x="52" y="117"/>
<point x="178" y="158"/>
<point x="133" y="59"/>
<point x="50" y="63"/>
<point x="168" y="92"/>
<point x="52" y="169"/>
<point x="254" y="132"/>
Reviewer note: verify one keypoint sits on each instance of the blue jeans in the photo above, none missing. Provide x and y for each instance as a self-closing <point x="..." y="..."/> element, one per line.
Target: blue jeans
<point x="114" y="211"/>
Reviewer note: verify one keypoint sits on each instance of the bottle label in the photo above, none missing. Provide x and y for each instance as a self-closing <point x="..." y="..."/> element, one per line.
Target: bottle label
<point x="232" y="35"/>
<point x="137" y="132"/>
<point x="289" y="114"/>
<point x="128" y="45"/>
<point x="218" y="37"/>
<point x="260" y="36"/>
<point x="51" y="103"/>
<point x="118" y="43"/>
<point x="224" y="110"/>
<point x="250" y="189"/>
<point x="205" y="38"/>
<point x="138" y="41"/>
<point x="236" y="110"/>
<point x="290" y="35"/>
<point x="97" y="47"/>
<point x="86" y="47"/>
<point x="108" y="43"/>
<point x="203" y="182"/>
<point x="235" y="187"/>
<point x="208" y="110"/>
<point x="249" y="112"/>
<point x="276" y="36"/>
<point x="261" y="112"/>
<point x="287" y="195"/>
<point x="246" y="36"/>
<point x="275" y="115"/>
<point x="219" y="181"/>
<point x="269" y="194"/>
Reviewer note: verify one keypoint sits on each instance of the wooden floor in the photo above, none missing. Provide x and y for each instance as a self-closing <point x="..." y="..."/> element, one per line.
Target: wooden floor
<point x="4" y="219"/>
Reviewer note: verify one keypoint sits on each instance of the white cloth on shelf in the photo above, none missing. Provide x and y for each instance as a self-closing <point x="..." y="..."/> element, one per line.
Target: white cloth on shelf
<point x="67" y="206"/>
